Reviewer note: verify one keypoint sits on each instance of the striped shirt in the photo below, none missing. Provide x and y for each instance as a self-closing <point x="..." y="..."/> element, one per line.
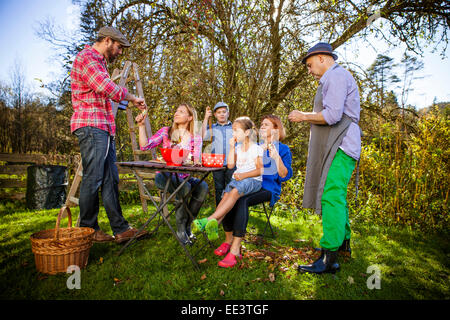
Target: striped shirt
<point x="92" y="92"/>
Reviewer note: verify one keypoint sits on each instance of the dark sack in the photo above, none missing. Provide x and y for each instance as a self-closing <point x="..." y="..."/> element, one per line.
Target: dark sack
<point x="46" y="186"/>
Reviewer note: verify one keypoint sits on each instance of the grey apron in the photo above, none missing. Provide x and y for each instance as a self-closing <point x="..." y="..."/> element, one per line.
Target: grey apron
<point x="324" y="142"/>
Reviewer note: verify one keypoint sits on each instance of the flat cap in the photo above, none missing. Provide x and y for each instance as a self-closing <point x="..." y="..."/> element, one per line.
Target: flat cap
<point x="114" y="34"/>
<point x="220" y="105"/>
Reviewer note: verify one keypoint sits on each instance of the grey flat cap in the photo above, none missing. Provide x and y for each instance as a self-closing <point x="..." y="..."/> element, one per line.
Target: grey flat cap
<point x="220" y="105"/>
<point x="114" y="34"/>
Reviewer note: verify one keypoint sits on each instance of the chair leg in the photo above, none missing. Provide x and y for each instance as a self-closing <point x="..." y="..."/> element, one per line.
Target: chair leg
<point x="268" y="221"/>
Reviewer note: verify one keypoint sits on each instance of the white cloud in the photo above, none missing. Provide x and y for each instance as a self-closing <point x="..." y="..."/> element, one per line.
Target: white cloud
<point x="73" y="17"/>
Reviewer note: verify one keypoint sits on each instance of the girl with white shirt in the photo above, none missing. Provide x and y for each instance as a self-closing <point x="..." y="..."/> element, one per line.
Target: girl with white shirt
<point x="246" y="155"/>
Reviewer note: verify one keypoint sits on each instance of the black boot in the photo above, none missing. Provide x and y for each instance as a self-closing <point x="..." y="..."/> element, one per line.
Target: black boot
<point x="327" y="263"/>
<point x="194" y="207"/>
<point x="344" y="249"/>
<point x="181" y="217"/>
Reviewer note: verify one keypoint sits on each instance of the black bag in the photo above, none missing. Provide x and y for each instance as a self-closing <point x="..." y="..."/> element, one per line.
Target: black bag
<point x="46" y="186"/>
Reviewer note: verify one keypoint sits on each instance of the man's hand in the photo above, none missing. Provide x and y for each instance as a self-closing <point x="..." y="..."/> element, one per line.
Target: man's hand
<point x="139" y="103"/>
<point x="297" y="116"/>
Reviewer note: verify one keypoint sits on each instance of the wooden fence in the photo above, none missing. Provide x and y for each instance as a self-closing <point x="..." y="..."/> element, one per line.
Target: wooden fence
<point x="13" y="172"/>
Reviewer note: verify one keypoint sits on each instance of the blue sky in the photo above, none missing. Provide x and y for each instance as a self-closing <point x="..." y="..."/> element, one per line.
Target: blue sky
<point x="19" y="42"/>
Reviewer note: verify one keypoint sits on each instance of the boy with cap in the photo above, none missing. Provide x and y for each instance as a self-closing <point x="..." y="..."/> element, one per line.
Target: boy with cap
<point x="221" y="133"/>
<point x="334" y="149"/>
<point x="93" y="124"/>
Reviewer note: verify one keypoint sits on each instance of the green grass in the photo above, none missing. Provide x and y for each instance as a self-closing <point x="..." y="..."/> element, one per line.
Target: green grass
<point x="413" y="265"/>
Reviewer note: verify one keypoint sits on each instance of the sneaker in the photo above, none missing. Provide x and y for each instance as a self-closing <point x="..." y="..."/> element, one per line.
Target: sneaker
<point x="229" y="261"/>
<point x="198" y="225"/>
<point x="223" y="249"/>
<point x="212" y="229"/>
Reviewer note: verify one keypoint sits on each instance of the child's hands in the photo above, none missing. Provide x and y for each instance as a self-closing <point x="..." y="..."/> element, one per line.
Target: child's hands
<point x="208" y="113"/>
<point x="238" y="176"/>
<point x="233" y="141"/>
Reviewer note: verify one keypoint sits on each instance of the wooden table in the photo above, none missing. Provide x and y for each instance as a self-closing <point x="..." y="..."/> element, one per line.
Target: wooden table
<point x="152" y="166"/>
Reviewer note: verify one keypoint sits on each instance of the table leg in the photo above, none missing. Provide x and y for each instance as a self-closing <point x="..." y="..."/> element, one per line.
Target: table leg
<point x="152" y="217"/>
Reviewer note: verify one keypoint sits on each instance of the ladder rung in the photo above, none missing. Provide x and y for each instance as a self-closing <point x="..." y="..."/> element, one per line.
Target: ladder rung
<point x="140" y="152"/>
<point x="146" y="175"/>
<point x="155" y="198"/>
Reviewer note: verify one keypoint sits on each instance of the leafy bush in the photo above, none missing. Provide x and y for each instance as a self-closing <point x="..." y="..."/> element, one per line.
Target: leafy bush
<point x="405" y="179"/>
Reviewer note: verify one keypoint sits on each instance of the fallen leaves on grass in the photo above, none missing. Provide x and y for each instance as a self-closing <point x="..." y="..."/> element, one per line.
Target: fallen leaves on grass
<point x="271" y="277"/>
<point x="203" y="277"/>
<point x="202" y="261"/>
<point x="278" y="257"/>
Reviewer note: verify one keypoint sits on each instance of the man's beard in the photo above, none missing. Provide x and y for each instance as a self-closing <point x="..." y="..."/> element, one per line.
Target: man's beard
<point x="110" y="55"/>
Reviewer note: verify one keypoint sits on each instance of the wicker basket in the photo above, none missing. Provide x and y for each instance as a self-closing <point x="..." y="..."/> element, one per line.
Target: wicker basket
<point x="57" y="249"/>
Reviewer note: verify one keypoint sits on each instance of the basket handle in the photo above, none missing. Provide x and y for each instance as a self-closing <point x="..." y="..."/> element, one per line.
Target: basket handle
<point x="58" y="220"/>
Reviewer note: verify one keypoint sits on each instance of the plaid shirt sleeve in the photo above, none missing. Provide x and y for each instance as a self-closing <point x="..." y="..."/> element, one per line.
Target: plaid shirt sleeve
<point x="98" y="80"/>
<point x="156" y="139"/>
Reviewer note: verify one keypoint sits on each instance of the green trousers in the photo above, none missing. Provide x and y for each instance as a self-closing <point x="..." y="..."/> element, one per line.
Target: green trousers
<point x="335" y="221"/>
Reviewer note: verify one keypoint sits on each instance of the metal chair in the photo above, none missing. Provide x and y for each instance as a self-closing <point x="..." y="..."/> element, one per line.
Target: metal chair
<point x="268" y="215"/>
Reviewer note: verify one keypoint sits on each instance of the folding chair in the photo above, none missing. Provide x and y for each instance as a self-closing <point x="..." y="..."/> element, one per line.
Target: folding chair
<point x="268" y="215"/>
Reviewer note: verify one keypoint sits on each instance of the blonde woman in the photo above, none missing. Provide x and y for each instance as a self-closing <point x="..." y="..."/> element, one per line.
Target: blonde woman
<point x="181" y="134"/>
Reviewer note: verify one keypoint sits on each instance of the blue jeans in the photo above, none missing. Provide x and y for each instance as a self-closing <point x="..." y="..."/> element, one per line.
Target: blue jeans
<point x="194" y="204"/>
<point x="98" y="157"/>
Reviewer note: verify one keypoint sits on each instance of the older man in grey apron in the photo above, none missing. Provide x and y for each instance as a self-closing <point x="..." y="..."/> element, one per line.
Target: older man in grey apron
<point x="334" y="148"/>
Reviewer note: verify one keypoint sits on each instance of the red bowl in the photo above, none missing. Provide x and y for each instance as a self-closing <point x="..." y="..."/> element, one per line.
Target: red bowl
<point x="213" y="160"/>
<point x="174" y="157"/>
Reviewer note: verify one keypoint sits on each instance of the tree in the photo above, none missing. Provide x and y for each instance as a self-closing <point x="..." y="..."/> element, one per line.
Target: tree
<point x="383" y="75"/>
<point x="248" y="53"/>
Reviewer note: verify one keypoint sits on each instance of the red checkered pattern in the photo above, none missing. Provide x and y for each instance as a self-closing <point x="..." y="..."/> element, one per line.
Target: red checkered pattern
<point x="92" y="92"/>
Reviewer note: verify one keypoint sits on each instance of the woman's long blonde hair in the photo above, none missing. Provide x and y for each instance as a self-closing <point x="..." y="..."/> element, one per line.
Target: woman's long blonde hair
<point x="174" y="133"/>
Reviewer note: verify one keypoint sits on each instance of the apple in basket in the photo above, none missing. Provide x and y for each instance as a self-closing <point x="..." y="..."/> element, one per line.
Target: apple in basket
<point x="213" y="160"/>
<point x="174" y="157"/>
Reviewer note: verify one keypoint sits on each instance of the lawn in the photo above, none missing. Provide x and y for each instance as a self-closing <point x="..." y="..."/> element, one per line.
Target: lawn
<point x="412" y="265"/>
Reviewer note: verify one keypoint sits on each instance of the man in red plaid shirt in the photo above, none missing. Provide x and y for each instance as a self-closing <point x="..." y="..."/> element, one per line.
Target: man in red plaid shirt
<point x="93" y="124"/>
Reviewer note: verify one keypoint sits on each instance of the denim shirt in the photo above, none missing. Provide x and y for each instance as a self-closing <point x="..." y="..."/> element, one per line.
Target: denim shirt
<point x="341" y="95"/>
<point x="221" y="136"/>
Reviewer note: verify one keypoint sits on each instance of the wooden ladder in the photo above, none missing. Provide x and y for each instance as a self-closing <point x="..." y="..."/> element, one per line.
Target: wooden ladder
<point x="71" y="200"/>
